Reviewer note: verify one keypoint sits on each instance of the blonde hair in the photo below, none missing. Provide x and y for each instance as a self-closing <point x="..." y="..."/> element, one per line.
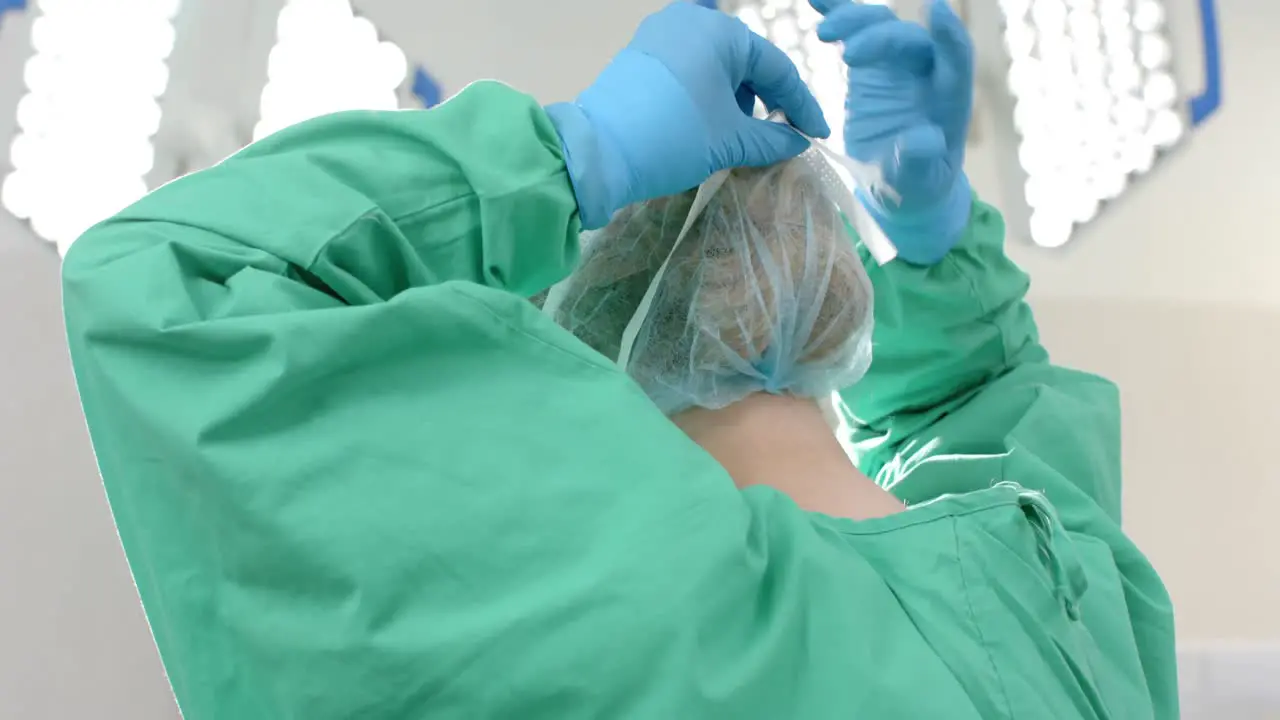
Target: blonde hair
<point x="765" y="292"/>
<point x="798" y="238"/>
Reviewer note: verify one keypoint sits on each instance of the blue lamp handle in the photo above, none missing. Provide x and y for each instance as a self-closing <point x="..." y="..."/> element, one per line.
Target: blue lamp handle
<point x="1206" y="103"/>
<point x="426" y="88"/>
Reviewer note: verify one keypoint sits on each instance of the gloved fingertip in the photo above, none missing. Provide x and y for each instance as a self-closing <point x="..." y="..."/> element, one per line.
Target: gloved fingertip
<point x="946" y="27"/>
<point x="941" y="11"/>
<point x="850" y="18"/>
<point x="806" y="116"/>
<point x="815" y="123"/>
<point x="774" y="78"/>
<point x="831" y="30"/>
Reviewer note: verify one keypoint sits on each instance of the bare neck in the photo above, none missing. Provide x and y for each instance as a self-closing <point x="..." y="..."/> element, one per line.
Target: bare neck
<point x="785" y="443"/>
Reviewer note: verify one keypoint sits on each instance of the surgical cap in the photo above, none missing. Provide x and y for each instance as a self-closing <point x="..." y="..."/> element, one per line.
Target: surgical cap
<point x="763" y="292"/>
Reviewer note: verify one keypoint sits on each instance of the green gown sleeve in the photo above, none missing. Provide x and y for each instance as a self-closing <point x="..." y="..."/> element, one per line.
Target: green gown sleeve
<point x="258" y="349"/>
<point x="961" y="395"/>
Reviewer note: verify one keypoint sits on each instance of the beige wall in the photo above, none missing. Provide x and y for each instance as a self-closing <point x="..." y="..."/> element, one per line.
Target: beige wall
<point x="1200" y="387"/>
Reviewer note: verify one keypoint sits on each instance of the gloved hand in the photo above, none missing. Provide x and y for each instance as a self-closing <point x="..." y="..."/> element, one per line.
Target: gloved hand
<point x="675" y="106"/>
<point x="908" y="110"/>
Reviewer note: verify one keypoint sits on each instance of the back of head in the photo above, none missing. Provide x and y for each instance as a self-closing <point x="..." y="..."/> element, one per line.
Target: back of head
<point x="765" y="292"/>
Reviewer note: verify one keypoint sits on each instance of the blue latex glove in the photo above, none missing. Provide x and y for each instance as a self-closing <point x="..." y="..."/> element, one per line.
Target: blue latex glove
<point x="908" y="109"/>
<point x="675" y="106"/>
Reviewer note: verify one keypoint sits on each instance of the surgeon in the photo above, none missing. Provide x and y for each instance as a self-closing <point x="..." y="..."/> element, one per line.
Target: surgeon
<point x="358" y="474"/>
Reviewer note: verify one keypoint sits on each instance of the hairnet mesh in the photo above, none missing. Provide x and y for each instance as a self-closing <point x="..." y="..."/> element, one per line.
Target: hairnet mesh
<point x="765" y="293"/>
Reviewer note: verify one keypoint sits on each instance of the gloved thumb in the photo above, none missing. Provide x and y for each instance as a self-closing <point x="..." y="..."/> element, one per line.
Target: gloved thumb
<point x="763" y="142"/>
<point x="922" y="159"/>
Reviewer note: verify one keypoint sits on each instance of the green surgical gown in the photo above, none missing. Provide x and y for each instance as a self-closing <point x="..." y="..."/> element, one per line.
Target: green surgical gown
<point x="358" y="475"/>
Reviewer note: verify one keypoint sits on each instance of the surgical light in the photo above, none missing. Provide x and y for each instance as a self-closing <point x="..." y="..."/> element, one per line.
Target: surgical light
<point x="327" y="59"/>
<point x="791" y="25"/>
<point x="1095" y="103"/>
<point x="91" y="108"/>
